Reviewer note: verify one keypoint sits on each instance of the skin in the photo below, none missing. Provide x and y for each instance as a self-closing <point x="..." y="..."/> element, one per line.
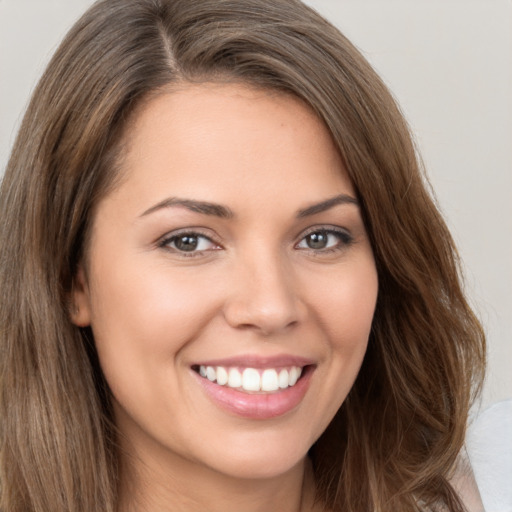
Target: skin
<point x="254" y="287"/>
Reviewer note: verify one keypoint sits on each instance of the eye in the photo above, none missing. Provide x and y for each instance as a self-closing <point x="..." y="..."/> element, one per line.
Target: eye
<point x="189" y="242"/>
<point x="325" y="240"/>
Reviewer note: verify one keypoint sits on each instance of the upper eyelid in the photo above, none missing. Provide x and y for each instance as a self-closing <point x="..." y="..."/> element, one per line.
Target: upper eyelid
<point x="166" y="239"/>
<point x="324" y="227"/>
<point x="206" y="233"/>
<point x="341" y="232"/>
<point x="187" y="231"/>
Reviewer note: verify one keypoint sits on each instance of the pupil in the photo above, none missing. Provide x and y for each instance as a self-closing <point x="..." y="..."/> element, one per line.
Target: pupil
<point x="317" y="240"/>
<point x="186" y="243"/>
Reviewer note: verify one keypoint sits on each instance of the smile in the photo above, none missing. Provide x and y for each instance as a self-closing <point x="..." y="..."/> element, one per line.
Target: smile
<point x="256" y="388"/>
<point x="252" y="379"/>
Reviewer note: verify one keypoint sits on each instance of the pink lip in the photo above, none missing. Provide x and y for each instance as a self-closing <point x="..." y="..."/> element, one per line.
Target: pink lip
<point x="253" y="361"/>
<point x="257" y="406"/>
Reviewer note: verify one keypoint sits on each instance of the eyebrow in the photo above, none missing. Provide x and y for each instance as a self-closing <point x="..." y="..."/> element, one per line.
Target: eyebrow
<point x="203" y="207"/>
<point x="218" y="210"/>
<point x="327" y="205"/>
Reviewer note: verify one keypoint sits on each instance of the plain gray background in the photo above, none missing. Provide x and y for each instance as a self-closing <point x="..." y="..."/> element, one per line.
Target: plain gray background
<point x="448" y="62"/>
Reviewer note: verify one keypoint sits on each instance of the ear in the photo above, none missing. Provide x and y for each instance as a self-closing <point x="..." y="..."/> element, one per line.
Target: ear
<point x="80" y="308"/>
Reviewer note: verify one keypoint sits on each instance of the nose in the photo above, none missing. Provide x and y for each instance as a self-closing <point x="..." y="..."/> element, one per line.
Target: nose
<point x="264" y="297"/>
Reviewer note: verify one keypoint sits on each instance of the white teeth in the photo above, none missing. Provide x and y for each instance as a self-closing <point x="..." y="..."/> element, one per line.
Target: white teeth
<point x="269" y="381"/>
<point x="235" y="378"/>
<point x="251" y="379"/>
<point x="293" y="376"/>
<point x="283" y="379"/>
<point x="211" y="374"/>
<point x="222" y="376"/>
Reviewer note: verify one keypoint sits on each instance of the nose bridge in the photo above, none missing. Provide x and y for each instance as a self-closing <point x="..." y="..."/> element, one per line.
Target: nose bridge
<point x="264" y="296"/>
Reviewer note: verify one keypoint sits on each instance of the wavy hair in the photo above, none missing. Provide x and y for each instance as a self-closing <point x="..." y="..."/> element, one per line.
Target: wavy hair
<point x="394" y="442"/>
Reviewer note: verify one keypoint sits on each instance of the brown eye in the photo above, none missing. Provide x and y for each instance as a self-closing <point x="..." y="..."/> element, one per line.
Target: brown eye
<point x="325" y="239"/>
<point x="318" y="240"/>
<point x="186" y="243"/>
<point x="189" y="243"/>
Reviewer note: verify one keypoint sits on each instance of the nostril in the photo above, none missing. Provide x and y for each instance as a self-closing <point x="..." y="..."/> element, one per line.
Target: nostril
<point x="267" y="319"/>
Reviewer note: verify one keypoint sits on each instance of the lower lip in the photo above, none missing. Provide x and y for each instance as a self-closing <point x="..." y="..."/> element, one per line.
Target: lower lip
<point x="257" y="406"/>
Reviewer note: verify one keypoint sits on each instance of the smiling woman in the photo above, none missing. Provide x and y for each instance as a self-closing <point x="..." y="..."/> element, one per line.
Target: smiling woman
<point x="231" y="291"/>
<point x="281" y="286"/>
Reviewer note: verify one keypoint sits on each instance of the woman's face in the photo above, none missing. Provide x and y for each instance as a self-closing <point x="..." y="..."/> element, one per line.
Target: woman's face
<point x="231" y="258"/>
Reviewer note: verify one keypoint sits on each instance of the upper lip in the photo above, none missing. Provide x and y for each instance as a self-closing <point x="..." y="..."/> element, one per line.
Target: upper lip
<point x="258" y="361"/>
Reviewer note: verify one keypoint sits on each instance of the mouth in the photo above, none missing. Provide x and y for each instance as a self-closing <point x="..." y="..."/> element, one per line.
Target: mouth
<point x="257" y="390"/>
<point x="252" y="380"/>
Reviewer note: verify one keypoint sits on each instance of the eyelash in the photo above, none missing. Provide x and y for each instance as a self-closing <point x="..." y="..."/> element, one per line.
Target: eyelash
<point x="345" y="239"/>
<point x="191" y="233"/>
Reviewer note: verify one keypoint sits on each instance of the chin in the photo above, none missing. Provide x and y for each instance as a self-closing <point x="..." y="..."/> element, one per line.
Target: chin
<point x="263" y="458"/>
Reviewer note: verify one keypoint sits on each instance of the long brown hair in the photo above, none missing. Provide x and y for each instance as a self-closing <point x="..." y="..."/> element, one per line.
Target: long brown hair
<point x="394" y="441"/>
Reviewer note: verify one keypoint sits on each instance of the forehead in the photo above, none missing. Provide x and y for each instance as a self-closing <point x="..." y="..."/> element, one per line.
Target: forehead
<point x="212" y="138"/>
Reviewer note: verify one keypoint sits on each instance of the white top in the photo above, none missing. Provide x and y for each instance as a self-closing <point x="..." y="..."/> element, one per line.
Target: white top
<point x="489" y="448"/>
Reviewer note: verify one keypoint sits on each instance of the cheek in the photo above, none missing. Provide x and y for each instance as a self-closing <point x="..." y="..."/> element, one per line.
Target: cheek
<point x="343" y="301"/>
<point x="146" y="313"/>
<point x="346" y="306"/>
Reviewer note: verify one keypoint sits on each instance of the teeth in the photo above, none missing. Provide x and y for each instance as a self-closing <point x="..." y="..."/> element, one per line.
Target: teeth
<point x="251" y="379"/>
<point x="284" y="379"/>
<point x="211" y="374"/>
<point x="293" y="376"/>
<point x="235" y="378"/>
<point x="222" y="376"/>
<point x="269" y="381"/>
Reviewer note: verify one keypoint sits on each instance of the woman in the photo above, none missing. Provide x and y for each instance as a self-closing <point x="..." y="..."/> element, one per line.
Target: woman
<point x="225" y="283"/>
